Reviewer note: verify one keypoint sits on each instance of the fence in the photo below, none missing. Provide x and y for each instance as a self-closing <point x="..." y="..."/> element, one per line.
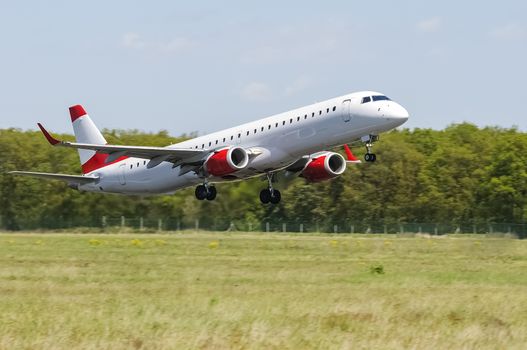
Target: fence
<point x="267" y="225"/>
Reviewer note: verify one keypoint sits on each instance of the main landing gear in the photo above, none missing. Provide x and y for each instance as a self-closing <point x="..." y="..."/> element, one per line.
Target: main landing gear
<point x="205" y="191"/>
<point x="369" y="140"/>
<point x="270" y="195"/>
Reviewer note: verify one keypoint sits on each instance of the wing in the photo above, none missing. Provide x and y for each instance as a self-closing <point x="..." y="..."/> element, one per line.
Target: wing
<point x="156" y="155"/>
<point x="76" y="179"/>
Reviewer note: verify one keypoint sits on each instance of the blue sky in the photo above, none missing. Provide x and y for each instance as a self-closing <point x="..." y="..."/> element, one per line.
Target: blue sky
<point x="203" y="66"/>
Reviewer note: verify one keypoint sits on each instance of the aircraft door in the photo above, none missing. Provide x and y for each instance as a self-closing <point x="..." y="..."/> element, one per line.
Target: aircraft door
<point x="346" y="112"/>
<point x="122" y="172"/>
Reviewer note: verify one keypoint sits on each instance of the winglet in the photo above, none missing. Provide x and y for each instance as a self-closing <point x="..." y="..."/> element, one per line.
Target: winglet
<point x="351" y="157"/>
<point x="53" y="141"/>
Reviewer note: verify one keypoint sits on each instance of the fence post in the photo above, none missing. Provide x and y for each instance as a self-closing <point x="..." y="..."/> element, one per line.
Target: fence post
<point x="385" y="229"/>
<point x="267" y="227"/>
<point x="490" y="229"/>
<point x="159" y="224"/>
<point x="141" y="223"/>
<point x="352" y="229"/>
<point x="301" y="228"/>
<point x="335" y="229"/>
<point x="284" y="227"/>
<point x="474" y="231"/>
<point x="196" y="225"/>
<point x="435" y="230"/>
<point x="250" y="227"/>
<point x="401" y="228"/>
<point x="419" y="230"/>
<point x="103" y="222"/>
<point x="122" y="222"/>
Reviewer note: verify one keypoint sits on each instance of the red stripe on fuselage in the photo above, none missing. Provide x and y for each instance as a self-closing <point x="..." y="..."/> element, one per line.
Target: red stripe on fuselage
<point x="97" y="162"/>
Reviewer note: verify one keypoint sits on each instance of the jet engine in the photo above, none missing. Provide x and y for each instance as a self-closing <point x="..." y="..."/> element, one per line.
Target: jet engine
<point x="226" y="161"/>
<point x="324" y="167"/>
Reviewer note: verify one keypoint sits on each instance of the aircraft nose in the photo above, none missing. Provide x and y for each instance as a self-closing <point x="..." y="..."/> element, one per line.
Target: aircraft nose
<point x="399" y="113"/>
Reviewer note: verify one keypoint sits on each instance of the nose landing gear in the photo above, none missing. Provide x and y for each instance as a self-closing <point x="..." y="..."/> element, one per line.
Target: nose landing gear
<point x="369" y="140"/>
<point x="270" y="195"/>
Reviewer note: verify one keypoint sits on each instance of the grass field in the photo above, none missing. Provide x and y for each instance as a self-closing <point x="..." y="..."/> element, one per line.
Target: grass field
<point x="262" y="291"/>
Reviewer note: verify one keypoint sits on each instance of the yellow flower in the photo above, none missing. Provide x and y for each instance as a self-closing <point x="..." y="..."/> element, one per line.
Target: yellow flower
<point x="95" y="242"/>
<point x="214" y="244"/>
<point x="136" y="242"/>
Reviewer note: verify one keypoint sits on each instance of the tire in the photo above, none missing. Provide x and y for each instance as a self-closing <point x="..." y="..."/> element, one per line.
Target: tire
<point x="265" y="196"/>
<point x="367" y="157"/>
<point x="211" y="194"/>
<point x="373" y="157"/>
<point x="200" y="192"/>
<point x="277" y="196"/>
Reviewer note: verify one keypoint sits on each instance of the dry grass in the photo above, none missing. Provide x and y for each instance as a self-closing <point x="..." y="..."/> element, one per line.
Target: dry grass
<point x="190" y="291"/>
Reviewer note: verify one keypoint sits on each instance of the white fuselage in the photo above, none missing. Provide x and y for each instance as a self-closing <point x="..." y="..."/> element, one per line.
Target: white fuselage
<point x="274" y="143"/>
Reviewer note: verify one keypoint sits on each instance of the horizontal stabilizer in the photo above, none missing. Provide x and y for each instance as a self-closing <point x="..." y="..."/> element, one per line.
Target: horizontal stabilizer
<point x="74" y="179"/>
<point x="144" y="152"/>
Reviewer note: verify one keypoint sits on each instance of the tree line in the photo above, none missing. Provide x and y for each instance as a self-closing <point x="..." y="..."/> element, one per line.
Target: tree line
<point x="462" y="174"/>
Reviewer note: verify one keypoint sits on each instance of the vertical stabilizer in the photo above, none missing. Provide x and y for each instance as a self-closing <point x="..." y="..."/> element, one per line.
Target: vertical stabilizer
<point x="86" y="132"/>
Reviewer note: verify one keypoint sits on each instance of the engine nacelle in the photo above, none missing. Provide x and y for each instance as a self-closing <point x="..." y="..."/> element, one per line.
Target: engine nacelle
<point x="324" y="167"/>
<point x="227" y="161"/>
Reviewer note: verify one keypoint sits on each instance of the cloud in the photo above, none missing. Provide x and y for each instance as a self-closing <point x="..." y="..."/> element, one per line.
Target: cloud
<point x="510" y="31"/>
<point x="136" y="42"/>
<point x="256" y="91"/>
<point x="429" y="25"/>
<point x="297" y="86"/>
<point x="297" y="44"/>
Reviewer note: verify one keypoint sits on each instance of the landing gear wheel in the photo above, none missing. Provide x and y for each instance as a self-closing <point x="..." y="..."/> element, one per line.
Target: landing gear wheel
<point x="276" y="197"/>
<point x="201" y="192"/>
<point x="211" y="193"/>
<point x="265" y="196"/>
<point x="370" y="157"/>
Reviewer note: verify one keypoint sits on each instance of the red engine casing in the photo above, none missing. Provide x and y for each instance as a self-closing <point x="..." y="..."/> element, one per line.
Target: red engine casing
<point x="324" y="167"/>
<point x="226" y="161"/>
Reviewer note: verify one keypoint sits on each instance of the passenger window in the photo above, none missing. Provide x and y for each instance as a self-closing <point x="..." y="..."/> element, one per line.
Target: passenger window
<point x="263" y="127"/>
<point x="366" y="99"/>
<point x="202" y="145"/>
<point x="312" y="114"/>
<point x="283" y="123"/>
<point x="255" y="131"/>
<point x="239" y="135"/>
<point x="334" y="108"/>
<point x="247" y="133"/>
<point x="232" y="137"/>
<point x="144" y="162"/>
<point x="131" y="166"/>
<point x="210" y="143"/>
<point x="216" y="141"/>
<point x="327" y="110"/>
<point x="297" y="119"/>
<point x="305" y="117"/>
<point x="276" y="125"/>
<point x="269" y="127"/>
<point x="319" y="112"/>
<point x="291" y="121"/>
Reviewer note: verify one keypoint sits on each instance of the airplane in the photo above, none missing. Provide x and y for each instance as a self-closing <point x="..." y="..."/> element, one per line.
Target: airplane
<point x="283" y="146"/>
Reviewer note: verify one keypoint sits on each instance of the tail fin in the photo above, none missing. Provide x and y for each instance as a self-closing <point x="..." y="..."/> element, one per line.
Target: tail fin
<point x="86" y="132"/>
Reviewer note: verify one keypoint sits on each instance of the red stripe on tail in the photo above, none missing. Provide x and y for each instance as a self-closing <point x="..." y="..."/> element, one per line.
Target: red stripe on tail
<point x="76" y="112"/>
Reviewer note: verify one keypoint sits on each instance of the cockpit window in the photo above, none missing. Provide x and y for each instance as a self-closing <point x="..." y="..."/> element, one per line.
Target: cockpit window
<point x="380" y="98"/>
<point x="366" y="99"/>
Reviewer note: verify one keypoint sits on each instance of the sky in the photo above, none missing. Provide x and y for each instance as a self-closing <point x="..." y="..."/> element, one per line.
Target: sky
<point x="203" y="66"/>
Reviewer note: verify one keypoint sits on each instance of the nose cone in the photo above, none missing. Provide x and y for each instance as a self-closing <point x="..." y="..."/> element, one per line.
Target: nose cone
<point x="398" y="112"/>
